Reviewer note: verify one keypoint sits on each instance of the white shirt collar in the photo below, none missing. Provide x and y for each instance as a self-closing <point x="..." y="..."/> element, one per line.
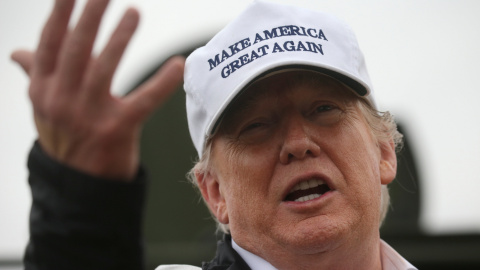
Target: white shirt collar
<point x="255" y="262"/>
<point x="391" y="260"/>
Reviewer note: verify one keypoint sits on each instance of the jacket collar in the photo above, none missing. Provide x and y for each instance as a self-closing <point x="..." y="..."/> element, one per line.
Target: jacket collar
<point x="226" y="257"/>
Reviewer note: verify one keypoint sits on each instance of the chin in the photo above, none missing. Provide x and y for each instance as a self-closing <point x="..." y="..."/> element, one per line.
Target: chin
<point x="314" y="236"/>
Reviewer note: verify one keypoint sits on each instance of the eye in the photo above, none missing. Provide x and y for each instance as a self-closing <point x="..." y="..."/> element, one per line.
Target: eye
<point x="253" y="126"/>
<point x="325" y="113"/>
<point x="324" y="108"/>
<point x="256" y="131"/>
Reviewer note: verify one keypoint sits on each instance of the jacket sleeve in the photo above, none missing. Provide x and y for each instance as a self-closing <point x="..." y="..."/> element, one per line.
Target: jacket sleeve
<point x="78" y="221"/>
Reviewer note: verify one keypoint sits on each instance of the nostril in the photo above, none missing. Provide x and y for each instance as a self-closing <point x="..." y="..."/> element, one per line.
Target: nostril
<point x="300" y="154"/>
<point x="298" y="148"/>
<point x="293" y="155"/>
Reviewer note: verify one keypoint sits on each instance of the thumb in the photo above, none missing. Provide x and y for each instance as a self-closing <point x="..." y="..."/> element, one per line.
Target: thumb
<point x="24" y="59"/>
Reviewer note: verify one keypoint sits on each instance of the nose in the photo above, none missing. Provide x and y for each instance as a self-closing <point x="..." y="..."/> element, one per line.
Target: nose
<point x="298" y="142"/>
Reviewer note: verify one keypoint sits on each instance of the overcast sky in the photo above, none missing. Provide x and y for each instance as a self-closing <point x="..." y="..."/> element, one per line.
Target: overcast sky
<point x="422" y="56"/>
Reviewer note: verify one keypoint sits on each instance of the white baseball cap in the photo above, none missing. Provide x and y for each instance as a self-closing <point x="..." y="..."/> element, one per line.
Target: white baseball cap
<point x="267" y="37"/>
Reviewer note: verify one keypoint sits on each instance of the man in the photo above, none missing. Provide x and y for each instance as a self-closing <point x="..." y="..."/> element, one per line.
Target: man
<point x="294" y="158"/>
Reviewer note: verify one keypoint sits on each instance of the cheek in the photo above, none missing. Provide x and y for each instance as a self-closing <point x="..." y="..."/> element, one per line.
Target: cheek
<point x="245" y="177"/>
<point x="357" y="157"/>
<point x="245" y="174"/>
<point x="252" y="166"/>
<point x="358" y="149"/>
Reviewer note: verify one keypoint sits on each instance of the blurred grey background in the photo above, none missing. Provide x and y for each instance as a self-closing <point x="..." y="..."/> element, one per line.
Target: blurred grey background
<point x="423" y="60"/>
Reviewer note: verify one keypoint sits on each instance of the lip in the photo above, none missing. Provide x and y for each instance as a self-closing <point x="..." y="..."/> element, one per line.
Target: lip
<point x="304" y="177"/>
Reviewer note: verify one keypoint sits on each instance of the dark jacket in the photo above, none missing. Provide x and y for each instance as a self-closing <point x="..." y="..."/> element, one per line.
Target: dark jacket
<point x="226" y="258"/>
<point x="78" y="221"/>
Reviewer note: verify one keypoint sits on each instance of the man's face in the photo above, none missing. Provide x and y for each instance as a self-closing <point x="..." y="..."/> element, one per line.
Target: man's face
<point x="295" y="168"/>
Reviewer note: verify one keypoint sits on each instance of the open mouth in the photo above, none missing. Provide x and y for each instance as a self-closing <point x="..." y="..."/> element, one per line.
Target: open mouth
<point x="307" y="190"/>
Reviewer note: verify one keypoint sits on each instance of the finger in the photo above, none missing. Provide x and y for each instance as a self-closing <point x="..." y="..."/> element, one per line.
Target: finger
<point x="52" y="36"/>
<point x="24" y="59"/>
<point x="145" y="99"/>
<point x="76" y="53"/>
<point x="102" y="71"/>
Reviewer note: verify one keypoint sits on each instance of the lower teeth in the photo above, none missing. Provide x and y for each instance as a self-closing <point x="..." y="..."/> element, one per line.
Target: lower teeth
<point x="307" y="198"/>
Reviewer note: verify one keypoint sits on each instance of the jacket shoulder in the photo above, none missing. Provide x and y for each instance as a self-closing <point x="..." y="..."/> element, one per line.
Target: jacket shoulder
<point x="178" y="267"/>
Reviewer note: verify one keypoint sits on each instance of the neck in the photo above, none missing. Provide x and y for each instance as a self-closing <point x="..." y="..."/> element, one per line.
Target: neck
<point x="365" y="256"/>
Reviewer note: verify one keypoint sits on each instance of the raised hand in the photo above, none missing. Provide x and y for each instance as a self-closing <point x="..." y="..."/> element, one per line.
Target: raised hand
<point x="79" y="122"/>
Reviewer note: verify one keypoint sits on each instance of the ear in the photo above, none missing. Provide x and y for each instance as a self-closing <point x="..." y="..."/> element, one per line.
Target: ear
<point x="213" y="195"/>
<point x="388" y="162"/>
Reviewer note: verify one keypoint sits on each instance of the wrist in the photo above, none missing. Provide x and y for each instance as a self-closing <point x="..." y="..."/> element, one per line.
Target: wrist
<point x="113" y="161"/>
